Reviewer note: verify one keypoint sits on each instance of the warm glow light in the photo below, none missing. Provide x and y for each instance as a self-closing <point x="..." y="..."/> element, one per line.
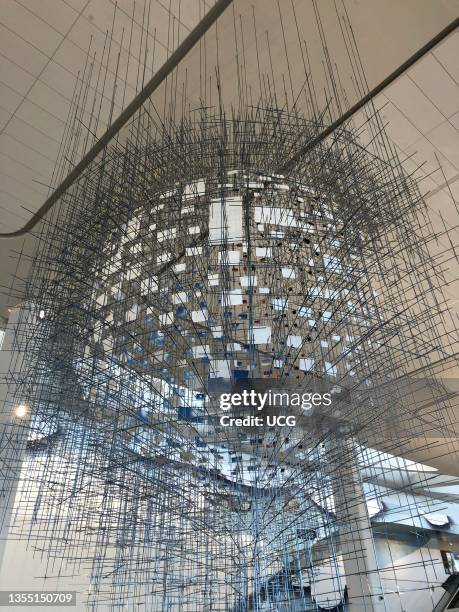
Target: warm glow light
<point x="21" y="411"/>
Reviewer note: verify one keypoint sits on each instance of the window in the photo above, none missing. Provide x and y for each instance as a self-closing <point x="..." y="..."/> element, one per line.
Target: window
<point x="450" y="561"/>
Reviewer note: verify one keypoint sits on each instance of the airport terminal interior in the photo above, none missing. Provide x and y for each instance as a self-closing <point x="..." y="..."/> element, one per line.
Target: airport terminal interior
<point x="204" y="202"/>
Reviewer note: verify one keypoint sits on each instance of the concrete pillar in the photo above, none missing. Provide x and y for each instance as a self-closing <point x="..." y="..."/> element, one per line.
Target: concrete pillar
<point x="364" y="586"/>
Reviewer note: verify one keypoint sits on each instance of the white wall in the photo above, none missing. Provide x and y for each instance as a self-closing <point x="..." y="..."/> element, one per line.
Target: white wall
<point x="413" y="576"/>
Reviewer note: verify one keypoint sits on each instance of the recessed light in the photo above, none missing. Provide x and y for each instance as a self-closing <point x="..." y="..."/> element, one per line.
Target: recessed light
<point x="21" y="411"/>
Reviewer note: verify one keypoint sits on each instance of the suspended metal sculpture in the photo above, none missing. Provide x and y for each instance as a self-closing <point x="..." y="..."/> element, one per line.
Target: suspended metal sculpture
<point x="192" y="257"/>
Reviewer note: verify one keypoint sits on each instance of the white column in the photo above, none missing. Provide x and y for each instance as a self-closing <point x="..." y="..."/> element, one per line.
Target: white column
<point x="356" y="544"/>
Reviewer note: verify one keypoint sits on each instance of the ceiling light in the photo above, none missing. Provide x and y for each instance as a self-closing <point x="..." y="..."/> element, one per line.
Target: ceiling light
<point x="21" y="411"/>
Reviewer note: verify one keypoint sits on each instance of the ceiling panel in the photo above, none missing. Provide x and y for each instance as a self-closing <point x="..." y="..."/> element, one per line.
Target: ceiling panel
<point x="446" y="54"/>
<point x="44" y="49"/>
<point x="29" y="27"/>
<point x="435" y="82"/>
<point x="445" y="138"/>
<point x="414" y="104"/>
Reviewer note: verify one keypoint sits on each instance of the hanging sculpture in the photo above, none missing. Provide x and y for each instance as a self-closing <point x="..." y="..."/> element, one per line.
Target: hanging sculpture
<point x="200" y="255"/>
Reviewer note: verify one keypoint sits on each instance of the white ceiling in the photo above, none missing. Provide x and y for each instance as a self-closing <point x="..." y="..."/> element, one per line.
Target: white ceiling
<point x="421" y="109"/>
<point x="44" y="45"/>
<point x="421" y="113"/>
